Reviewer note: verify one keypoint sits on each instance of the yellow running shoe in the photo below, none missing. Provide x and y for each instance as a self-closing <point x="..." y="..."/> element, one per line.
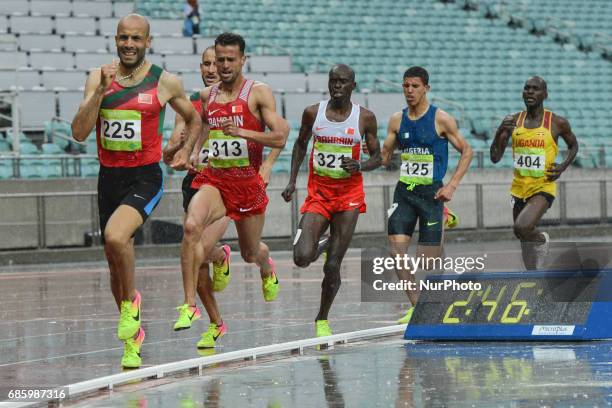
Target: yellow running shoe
<point x="407" y="316"/>
<point x="210" y="336"/>
<point x="323" y="329"/>
<point x="131" y="352"/>
<point x="129" y="319"/>
<point x="187" y="315"/>
<point x="451" y="220"/>
<point x="269" y="284"/>
<point x="221" y="271"/>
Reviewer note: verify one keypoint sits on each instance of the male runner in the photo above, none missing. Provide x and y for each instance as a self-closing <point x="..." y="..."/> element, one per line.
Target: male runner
<point x="212" y="234"/>
<point x="335" y="184"/>
<point x="126" y="102"/>
<point x="422" y="132"/>
<point x="237" y="111"/>
<point x="534" y="133"/>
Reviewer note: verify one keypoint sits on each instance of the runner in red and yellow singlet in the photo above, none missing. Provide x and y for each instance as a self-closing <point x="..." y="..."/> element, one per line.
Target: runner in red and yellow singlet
<point x="125" y="102"/>
<point x="236" y="112"/>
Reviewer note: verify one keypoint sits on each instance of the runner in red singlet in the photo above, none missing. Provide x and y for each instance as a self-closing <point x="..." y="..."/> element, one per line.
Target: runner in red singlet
<point x="237" y="111"/>
<point x="126" y="102"/>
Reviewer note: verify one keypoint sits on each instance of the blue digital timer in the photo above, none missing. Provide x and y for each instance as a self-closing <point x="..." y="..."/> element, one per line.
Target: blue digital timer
<point x="543" y="305"/>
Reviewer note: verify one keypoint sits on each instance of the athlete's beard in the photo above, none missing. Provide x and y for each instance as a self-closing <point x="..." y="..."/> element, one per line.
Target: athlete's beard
<point x="344" y="100"/>
<point x="135" y="64"/>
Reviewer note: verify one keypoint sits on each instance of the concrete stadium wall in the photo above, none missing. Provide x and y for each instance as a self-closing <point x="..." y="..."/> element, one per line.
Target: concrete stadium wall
<point x="586" y="196"/>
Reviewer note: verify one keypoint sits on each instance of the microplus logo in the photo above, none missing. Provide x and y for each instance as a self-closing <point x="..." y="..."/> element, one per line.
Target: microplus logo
<point x="557" y="330"/>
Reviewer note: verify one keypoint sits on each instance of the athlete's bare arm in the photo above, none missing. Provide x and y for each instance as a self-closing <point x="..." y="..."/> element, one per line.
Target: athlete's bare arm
<point x="561" y="127"/>
<point x="391" y="139"/>
<point x="266" y="104"/>
<point x="176" y="141"/>
<point x="171" y="90"/>
<point x="447" y="127"/>
<point x="368" y="123"/>
<point x="500" y="142"/>
<point x="300" y="148"/>
<point x="98" y="81"/>
<point x="266" y="167"/>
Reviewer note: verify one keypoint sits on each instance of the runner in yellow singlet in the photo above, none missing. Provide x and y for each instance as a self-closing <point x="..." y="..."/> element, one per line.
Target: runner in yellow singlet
<point x="534" y="134"/>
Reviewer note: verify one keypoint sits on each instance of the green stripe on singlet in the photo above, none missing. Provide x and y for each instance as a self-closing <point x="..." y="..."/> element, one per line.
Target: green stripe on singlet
<point x="119" y="98"/>
<point x="194" y="96"/>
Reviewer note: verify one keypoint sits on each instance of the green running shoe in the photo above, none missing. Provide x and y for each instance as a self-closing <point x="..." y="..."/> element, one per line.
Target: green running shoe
<point x="323" y="329"/>
<point x="269" y="284"/>
<point x="187" y="315"/>
<point x="210" y="336"/>
<point x="129" y="319"/>
<point x="407" y="316"/>
<point x="131" y="352"/>
<point x="221" y="272"/>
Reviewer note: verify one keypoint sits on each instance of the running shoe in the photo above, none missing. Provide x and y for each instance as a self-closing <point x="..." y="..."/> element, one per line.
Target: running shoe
<point x="129" y="318"/>
<point x="131" y="352"/>
<point x="323" y="329"/>
<point x="187" y="315"/>
<point x="269" y="284"/>
<point x="451" y="220"/>
<point x="323" y="247"/>
<point x="221" y="271"/>
<point x="210" y="336"/>
<point x="407" y="316"/>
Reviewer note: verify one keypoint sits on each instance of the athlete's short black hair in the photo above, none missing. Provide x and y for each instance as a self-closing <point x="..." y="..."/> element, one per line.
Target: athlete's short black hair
<point x="231" y="39"/>
<point x="417" y="72"/>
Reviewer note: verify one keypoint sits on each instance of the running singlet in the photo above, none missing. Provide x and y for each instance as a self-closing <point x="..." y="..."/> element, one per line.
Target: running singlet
<point x="331" y="142"/>
<point x="130" y="123"/>
<point x="424" y="153"/>
<point x="196" y="101"/>
<point x="533" y="152"/>
<point x="229" y="156"/>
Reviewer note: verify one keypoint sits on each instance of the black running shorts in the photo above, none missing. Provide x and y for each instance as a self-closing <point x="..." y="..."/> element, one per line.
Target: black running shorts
<point x="418" y="203"/>
<point x="139" y="187"/>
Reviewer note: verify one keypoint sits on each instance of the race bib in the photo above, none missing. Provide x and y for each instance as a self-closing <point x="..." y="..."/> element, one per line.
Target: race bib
<point x="530" y="162"/>
<point x="203" y="157"/>
<point x="120" y="130"/>
<point x="227" y="151"/>
<point x="327" y="158"/>
<point x="416" y="168"/>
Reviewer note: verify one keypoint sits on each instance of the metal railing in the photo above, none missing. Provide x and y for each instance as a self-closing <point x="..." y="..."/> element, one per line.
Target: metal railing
<point x="41" y="220"/>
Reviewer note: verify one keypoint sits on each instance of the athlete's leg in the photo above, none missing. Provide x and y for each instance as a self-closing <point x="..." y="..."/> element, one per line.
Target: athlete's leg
<point x="525" y="221"/>
<point x="252" y="249"/>
<point x="342" y="226"/>
<point x="213" y="234"/>
<point x="206" y="294"/>
<point x="399" y="245"/>
<point x="119" y="249"/>
<point x="205" y="207"/>
<point x="312" y="225"/>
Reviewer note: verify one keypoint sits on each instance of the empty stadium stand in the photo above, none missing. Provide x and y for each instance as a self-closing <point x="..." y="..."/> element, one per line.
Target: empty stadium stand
<point x="478" y="52"/>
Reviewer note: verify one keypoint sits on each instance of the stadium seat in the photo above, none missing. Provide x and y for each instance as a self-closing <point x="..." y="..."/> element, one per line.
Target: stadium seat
<point x="36" y="108"/>
<point x="40" y="42"/>
<point x="172" y="45"/>
<point x="12" y="60"/>
<point x="97" y="8"/>
<point x="51" y="60"/>
<point x="32" y="25"/>
<point x="81" y="43"/>
<point x="58" y="8"/>
<point x="14" y="7"/>
<point x="19" y="79"/>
